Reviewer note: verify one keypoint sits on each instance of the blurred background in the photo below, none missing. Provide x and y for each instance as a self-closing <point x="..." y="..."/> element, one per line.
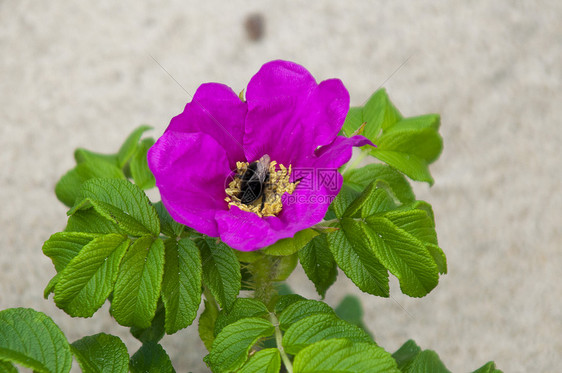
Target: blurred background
<point x="85" y="75"/>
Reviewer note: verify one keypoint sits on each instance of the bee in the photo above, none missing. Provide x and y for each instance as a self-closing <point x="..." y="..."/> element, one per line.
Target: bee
<point x="253" y="181"/>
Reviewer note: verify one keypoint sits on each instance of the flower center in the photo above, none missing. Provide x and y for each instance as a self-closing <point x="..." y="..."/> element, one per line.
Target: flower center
<point x="258" y="186"/>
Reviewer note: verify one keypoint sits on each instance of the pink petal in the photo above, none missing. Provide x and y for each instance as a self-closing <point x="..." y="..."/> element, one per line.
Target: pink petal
<point x="190" y="171"/>
<point x="217" y="111"/>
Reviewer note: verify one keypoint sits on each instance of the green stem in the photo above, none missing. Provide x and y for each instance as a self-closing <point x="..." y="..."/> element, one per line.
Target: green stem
<point x="263" y="273"/>
<point x="278" y="339"/>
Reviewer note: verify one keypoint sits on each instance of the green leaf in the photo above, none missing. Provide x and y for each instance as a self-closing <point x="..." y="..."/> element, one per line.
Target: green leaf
<point x="378" y="113"/>
<point x="31" y="339"/>
<point x="7" y="367"/>
<point x="230" y="348"/>
<point x="343" y="356"/>
<point x="426" y="361"/>
<point x="122" y="203"/>
<point x="285" y="300"/>
<point x="285" y="266"/>
<point x="374" y="200"/>
<point x="489" y="367"/>
<point x="181" y="287"/>
<point x="88" y="278"/>
<point x="358" y="262"/>
<point x="264" y="361"/>
<point x="242" y="308"/>
<point x="62" y="247"/>
<point x="302" y="309"/>
<point x="90" y="221"/>
<point x="318" y="264"/>
<point x="248" y="256"/>
<point x="419" y="224"/>
<point x="411" y="165"/>
<point x="289" y="246"/>
<point x="155" y="331"/>
<point x="410" y="146"/>
<point x="101" y="353"/>
<point x="142" y="175"/>
<point x="168" y="225"/>
<point x="221" y="271"/>
<point x="351" y="311"/>
<point x="401" y="253"/>
<point x="50" y="288"/>
<point x="68" y="187"/>
<point x="320" y="327"/>
<point x="152" y="358"/>
<point x="342" y="201"/>
<point x="359" y="178"/>
<point x="139" y="282"/>
<point x="130" y="145"/>
<point x="406" y="354"/>
<point x="82" y="155"/>
<point x="207" y="322"/>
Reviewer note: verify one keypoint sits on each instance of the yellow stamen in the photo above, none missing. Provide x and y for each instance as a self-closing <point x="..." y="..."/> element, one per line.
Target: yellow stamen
<point x="274" y="189"/>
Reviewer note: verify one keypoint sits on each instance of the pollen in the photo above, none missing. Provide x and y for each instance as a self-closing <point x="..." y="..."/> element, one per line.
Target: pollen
<point x="277" y="184"/>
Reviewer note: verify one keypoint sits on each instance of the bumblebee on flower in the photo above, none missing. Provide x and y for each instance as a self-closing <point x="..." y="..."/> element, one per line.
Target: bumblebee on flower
<point x="288" y="121"/>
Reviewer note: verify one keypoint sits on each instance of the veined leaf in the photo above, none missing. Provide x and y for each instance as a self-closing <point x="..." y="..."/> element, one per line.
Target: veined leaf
<point x="101" y="353"/>
<point x="151" y="357"/>
<point x="427" y="361"/>
<point x="242" y="308"/>
<point x="50" y="288"/>
<point x="406" y="354"/>
<point x="121" y="202"/>
<point x="359" y="178"/>
<point x="31" y="339"/>
<point x="285" y="300"/>
<point x="142" y="175"/>
<point x="318" y="264"/>
<point x="62" y="247"/>
<point x="377" y="114"/>
<point x="88" y="278"/>
<point x="343" y="356"/>
<point x="139" y="282"/>
<point x="155" y="331"/>
<point x="207" y="322"/>
<point x="302" y="309"/>
<point x="401" y="253"/>
<point x="68" y="187"/>
<point x="168" y="226"/>
<point x="90" y="221"/>
<point x="267" y="360"/>
<point x="411" y="145"/>
<point x="358" y="262"/>
<point x="230" y="348"/>
<point x="406" y="144"/>
<point x="289" y="246"/>
<point x="420" y="224"/>
<point x="375" y="199"/>
<point x="320" y="327"/>
<point x="181" y="287"/>
<point x="221" y="271"/>
<point x="345" y="197"/>
<point x="130" y="145"/>
<point x="411" y="165"/>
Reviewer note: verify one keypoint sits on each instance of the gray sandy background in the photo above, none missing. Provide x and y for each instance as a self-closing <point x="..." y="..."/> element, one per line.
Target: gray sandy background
<point x="80" y="74"/>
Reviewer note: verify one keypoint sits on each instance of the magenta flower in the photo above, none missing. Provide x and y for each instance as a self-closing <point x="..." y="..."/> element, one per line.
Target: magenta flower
<point x="199" y="161"/>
